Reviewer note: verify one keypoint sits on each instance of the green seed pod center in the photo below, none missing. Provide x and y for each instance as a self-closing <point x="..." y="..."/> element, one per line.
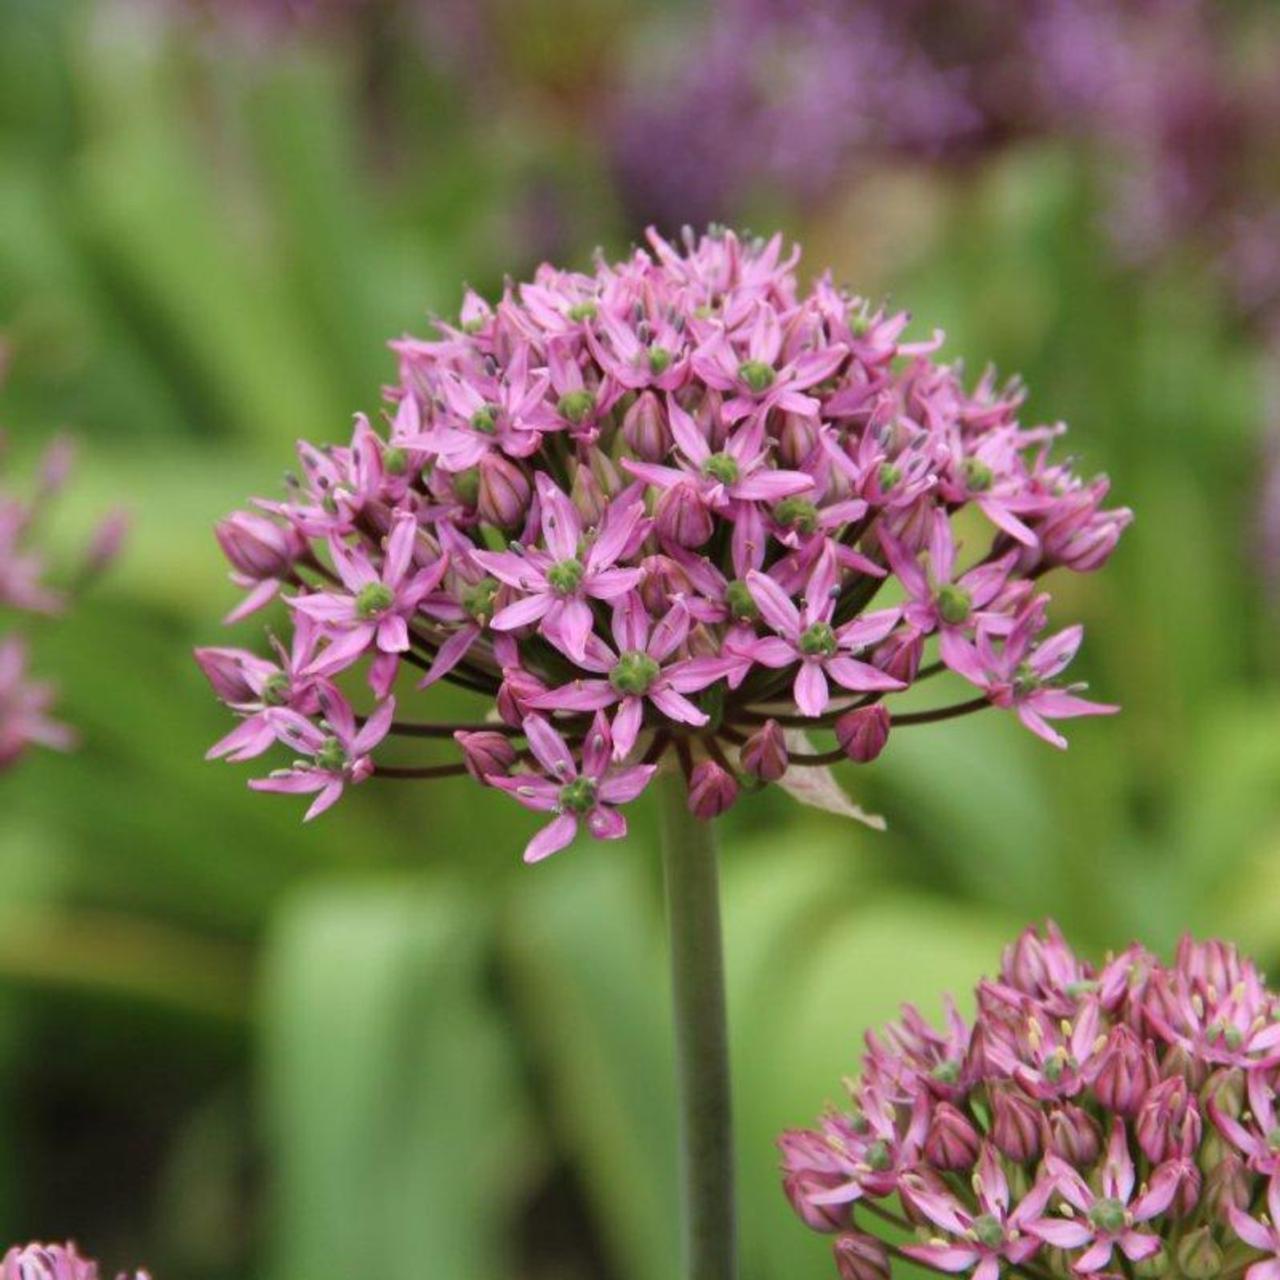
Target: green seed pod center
<point x="374" y="599"/>
<point x="581" y="311"/>
<point x="634" y="673"/>
<point x="1108" y="1215"/>
<point x="797" y="513"/>
<point x="877" y="1156"/>
<point x="577" y="405"/>
<point x="722" y="467"/>
<point x="819" y="640"/>
<point x="954" y="604"/>
<point x="757" y="375"/>
<point x="394" y="461"/>
<point x="566" y="576"/>
<point x="889" y="475"/>
<point x="578" y="796"/>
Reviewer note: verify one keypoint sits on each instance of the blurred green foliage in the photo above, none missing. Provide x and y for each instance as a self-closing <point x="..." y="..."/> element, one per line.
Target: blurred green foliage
<point x="234" y="1047"/>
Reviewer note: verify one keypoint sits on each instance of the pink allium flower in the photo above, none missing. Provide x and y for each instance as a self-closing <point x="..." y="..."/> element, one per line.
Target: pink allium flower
<point x="652" y="507"/>
<point x="51" y="1262"/>
<point x="27" y="587"/>
<point x="1070" y="1128"/>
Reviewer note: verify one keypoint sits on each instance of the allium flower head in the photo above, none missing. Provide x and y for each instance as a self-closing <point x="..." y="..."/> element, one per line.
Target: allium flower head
<point x="674" y="507"/>
<point x="51" y="1262"/>
<point x="28" y="589"/>
<point x="1088" y="1121"/>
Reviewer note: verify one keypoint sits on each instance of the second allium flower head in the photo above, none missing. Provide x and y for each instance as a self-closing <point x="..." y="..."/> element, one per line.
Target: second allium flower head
<point x="649" y="510"/>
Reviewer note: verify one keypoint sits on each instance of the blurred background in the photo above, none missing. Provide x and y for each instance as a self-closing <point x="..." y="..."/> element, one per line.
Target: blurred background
<point x="232" y="1047"/>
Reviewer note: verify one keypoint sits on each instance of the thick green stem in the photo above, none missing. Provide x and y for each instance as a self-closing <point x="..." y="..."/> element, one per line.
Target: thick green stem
<point x="702" y="1039"/>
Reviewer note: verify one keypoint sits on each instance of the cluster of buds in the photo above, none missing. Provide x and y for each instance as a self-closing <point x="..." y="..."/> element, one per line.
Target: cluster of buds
<point x="52" y="1262"/>
<point x="27" y="593"/>
<point x="674" y="507"/>
<point x="1119" y="1121"/>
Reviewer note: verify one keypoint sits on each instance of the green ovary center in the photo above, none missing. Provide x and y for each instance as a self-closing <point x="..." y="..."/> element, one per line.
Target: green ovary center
<point x="394" y="461"/>
<point x="954" y="604"/>
<point x="988" y="1230"/>
<point x="721" y="467"/>
<point x="877" y="1156"/>
<point x="742" y="605"/>
<point x="634" y="673"/>
<point x="659" y="360"/>
<point x="1025" y="681"/>
<point x="577" y="406"/>
<point x="374" y="599"/>
<point x="1108" y="1215"/>
<point x="757" y="375"/>
<point x="797" y="513"/>
<point x="977" y="475"/>
<point x="478" y="600"/>
<point x="566" y="576"/>
<point x="485" y="419"/>
<point x="889" y="476"/>
<point x="819" y="640"/>
<point x="581" y="311"/>
<point x="275" y="690"/>
<point x="578" y="796"/>
<point x="331" y="756"/>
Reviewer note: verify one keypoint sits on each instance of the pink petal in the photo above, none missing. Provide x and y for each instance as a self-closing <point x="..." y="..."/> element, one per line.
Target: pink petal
<point x="860" y="677"/>
<point x="811" y="690"/>
<point x="552" y="838"/>
<point x="774" y="604"/>
<point x="606" y="824"/>
<point x="522" y="612"/>
<point x="625" y="785"/>
<point x="549" y="748"/>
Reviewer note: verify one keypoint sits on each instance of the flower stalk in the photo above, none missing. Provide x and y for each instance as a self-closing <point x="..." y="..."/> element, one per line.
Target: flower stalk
<point x="691" y="867"/>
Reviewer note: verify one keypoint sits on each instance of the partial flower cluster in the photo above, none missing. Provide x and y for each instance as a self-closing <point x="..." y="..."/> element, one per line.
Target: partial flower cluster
<point x="674" y="507"/>
<point x="1119" y="1120"/>
<point x="52" y="1262"/>
<point x="28" y="592"/>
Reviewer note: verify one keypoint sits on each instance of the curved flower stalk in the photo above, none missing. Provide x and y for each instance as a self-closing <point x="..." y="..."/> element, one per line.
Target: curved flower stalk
<point x="1090" y="1121"/>
<point x="52" y="1262"/>
<point x="28" y="592"/>
<point x="673" y="509"/>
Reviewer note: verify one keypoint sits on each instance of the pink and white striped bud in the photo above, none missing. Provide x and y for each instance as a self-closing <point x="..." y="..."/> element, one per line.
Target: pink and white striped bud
<point x="764" y="754"/>
<point x="486" y="754"/>
<point x="663" y="580"/>
<point x="861" y="1257"/>
<point x="1016" y="1125"/>
<point x="1125" y="1072"/>
<point x="683" y="517"/>
<point x="225" y="671"/>
<point x="504" y="492"/>
<point x="1074" y="1136"/>
<point x="1168" y="1123"/>
<point x="588" y="496"/>
<point x="257" y="547"/>
<point x="645" y="428"/>
<point x="862" y="733"/>
<point x="712" y="790"/>
<point x="952" y="1143"/>
<point x="797" y="439"/>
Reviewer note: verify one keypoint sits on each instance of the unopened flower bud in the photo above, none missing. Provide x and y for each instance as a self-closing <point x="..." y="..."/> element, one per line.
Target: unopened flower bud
<point x="764" y="754"/>
<point x="1016" y="1126"/>
<point x="861" y="1257"/>
<point x="1125" y="1072"/>
<point x="1154" y="1267"/>
<point x="899" y="655"/>
<point x="712" y="790"/>
<point x="1074" y="1136"/>
<point x="225" y="671"/>
<point x="257" y="547"/>
<point x="504" y="493"/>
<point x="517" y="688"/>
<point x="1227" y="1183"/>
<point x="1199" y="1256"/>
<point x="863" y="732"/>
<point x="797" y="439"/>
<point x="663" y="580"/>
<point x="486" y="753"/>
<point x="800" y="1188"/>
<point x="1168" y="1122"/>
<point x="1224" y="1092"/>
<point x="588" y="496"/>
<point x="952" y="1143"/>
<point x="645" y="429"/>
<point x="683" y="517"/>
